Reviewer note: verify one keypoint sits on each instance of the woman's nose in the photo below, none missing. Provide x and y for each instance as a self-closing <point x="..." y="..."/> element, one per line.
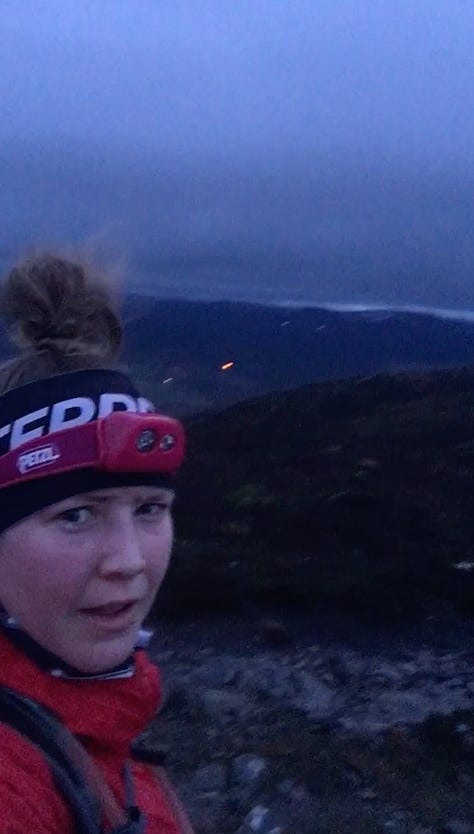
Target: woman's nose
<point x="121" y="553"/>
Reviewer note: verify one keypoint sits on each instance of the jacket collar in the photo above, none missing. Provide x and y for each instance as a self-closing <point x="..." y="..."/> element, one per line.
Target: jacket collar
<point x="57" y="667"/>
<point x="105" y="714"/>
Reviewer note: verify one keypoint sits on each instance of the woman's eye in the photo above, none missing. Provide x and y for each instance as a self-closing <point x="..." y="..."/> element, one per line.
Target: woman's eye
<point x="75" y="516"/>
<point x="152" y="509"/>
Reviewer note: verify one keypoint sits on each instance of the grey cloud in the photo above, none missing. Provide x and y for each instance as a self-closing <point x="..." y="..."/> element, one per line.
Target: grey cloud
<point x="320" y="149"/>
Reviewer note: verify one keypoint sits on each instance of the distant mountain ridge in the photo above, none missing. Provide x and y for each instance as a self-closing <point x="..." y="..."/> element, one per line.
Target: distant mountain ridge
<point x="275" y="348"/>
<point x="176" y="348"/>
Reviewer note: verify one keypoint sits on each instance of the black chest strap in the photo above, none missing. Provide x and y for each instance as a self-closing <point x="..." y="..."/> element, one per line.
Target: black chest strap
<point x="77" y="778"/>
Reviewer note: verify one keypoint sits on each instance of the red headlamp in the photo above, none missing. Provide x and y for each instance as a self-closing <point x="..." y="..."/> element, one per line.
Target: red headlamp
<point x="123" y="441"/>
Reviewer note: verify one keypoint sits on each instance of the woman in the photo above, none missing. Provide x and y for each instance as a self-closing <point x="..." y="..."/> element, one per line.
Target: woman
<point x="86" y="488"/>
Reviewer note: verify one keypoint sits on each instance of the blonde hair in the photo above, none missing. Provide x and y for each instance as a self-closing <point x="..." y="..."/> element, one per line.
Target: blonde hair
<point x="62" y="317"/>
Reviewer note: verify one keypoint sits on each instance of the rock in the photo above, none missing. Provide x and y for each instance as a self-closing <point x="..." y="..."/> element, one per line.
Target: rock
<point x="409" y="667"/>
<point x="317" y="699"/>
<point x="380" y="681"/>
<point x="368" y="794"/>
<point x="396" y="825"/>
<point x="232" y="677"/>
<point x="248" y="769"/>
<point x="222" y="706"/>
<point x="286" y="787"/>
<point x="339" y="669"/>
<point x="447" y="667"/>
<point x="343" y="693"/>
<point x="206" y="651"/>
<point x="455" y="683"/>
<point x="354" y="663"/>
<point x="217" y="672"/>
<point x="261" y="820"/>
<point x="206" y="810"/>
<point x="299" y="812"/>
<point x="391" y="674"/>
<point x="328" y="678"/>
<point x="457" y="826"/>
<point x="210" y="778"/>
<point x="403" y="707"/>
<point x="249" y="777"/>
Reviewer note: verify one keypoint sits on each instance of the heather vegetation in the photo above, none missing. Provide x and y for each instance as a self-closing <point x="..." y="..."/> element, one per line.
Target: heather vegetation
<point x="353" y="495"/>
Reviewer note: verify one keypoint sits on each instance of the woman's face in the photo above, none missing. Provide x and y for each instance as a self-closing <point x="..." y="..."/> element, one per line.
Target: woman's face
<point x="81" y="575"/>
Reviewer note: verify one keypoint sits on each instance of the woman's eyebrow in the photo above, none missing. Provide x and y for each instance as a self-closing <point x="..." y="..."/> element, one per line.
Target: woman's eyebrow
<point x="93" y="499"/>
<point x="151" y="495"/>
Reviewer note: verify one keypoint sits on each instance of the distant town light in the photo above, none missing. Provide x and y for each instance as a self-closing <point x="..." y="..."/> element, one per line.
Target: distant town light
<point x="168" y="379"/>
<point x="227" y="366"/>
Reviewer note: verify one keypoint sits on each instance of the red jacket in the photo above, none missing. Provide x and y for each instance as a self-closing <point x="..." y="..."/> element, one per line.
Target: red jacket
<point x="106" y="715"/>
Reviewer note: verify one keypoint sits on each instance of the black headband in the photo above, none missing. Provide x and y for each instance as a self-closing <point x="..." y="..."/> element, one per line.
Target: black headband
<point x="64" y="401"/>
<point x="41" y="408"/>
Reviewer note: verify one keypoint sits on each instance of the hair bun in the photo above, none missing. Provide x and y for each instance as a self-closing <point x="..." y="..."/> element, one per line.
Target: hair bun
<point x="59" y="305"/>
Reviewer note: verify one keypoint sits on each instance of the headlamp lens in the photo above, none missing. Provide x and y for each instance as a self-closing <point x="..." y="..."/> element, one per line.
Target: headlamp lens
<point x="167" y="442"/>
<point x="146" y="440"/>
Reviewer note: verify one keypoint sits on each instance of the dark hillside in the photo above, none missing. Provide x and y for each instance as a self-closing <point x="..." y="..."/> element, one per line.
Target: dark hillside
<point x="355" y="495"/>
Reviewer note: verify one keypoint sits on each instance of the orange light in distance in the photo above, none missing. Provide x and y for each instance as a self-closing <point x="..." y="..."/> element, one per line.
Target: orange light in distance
<point x="227" y="366"/>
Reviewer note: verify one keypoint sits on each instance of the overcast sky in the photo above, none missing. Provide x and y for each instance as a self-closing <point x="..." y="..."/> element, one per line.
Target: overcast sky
<point x="317" y="150"/>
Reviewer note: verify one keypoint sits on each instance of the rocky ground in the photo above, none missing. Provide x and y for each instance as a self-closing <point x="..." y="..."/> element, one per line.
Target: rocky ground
<point x="279" y="723"/>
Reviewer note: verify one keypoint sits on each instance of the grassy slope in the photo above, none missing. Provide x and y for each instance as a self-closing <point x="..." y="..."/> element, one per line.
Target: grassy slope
<point x="355" y="494"/>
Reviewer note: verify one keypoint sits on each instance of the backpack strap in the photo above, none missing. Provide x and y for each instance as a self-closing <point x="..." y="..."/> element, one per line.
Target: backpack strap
<point x="156" y="759"/>
<point x="174" y="801"/>
<point x="75" y="774"/>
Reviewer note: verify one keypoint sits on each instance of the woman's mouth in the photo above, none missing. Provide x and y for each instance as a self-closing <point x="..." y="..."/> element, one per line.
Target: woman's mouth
<point x="114" y="615"/>
<point x="110" y="608"/>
